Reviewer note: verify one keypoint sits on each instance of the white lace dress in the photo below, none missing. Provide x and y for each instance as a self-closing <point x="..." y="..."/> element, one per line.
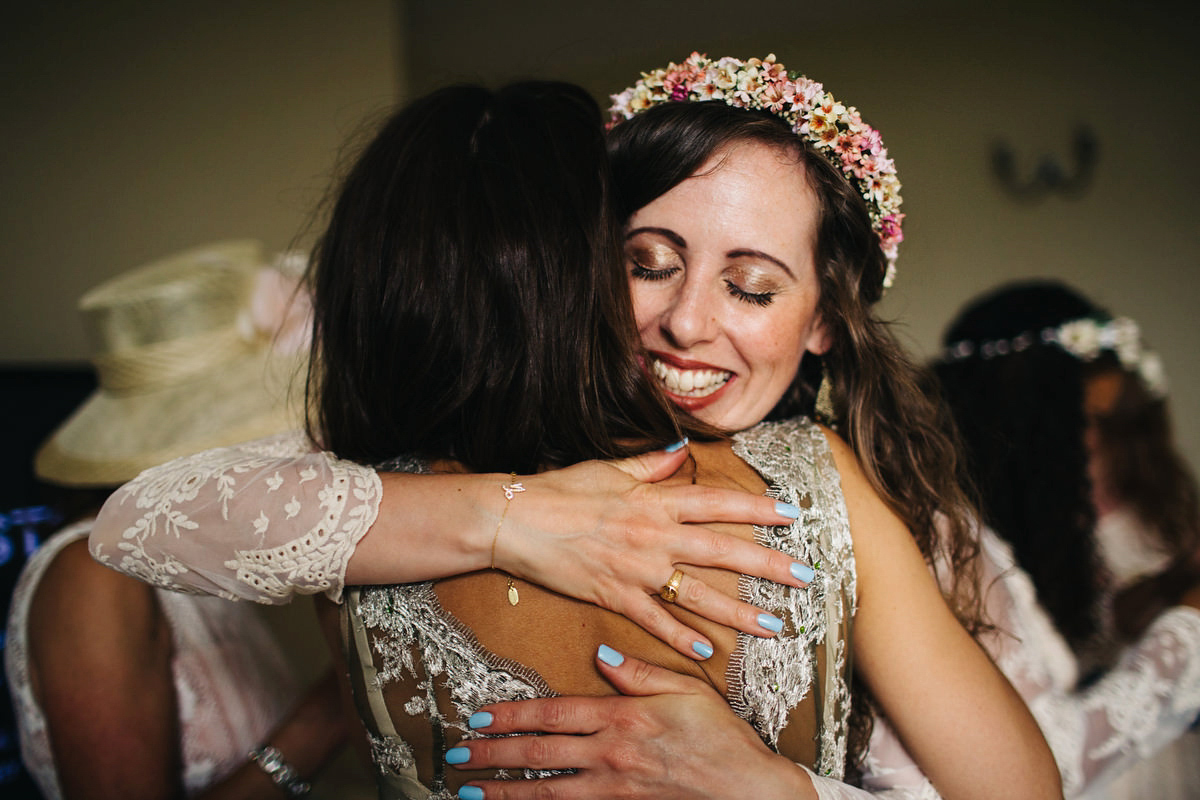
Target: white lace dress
<point x="232" y="682"/>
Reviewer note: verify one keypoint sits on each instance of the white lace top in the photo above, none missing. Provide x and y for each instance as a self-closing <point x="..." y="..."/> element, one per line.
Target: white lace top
<point x="223" y="497"/>
<point x="232" y="682"/>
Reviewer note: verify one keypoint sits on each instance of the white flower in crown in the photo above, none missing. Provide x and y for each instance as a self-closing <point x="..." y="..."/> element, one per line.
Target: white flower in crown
<point x="1126" y="341"/>
<point x="1150" y="368"/>
<point x="834" y="130"/>
<point x="1081" y="337"/>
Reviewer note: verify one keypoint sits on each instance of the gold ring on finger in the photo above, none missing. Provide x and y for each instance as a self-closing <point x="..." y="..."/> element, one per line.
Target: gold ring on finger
<point x="670" y="589"/>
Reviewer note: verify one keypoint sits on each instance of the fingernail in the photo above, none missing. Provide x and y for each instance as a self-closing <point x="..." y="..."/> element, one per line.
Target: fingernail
<point x="703" y="650"/>
<point x="787" y="510"/>
<point x="480" y="719"/>
<point x="610" y="656"/>
<point x="770" y="622"/>
<point x="671" y="448"/>
<point x="470" y="793"/>
<point x="802" y="572"/>
<point x="458" y="755"/>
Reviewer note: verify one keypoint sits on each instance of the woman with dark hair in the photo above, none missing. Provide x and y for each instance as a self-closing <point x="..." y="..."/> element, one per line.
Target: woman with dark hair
<point x="1063" y="414"/>
<point x="808" y="284"/>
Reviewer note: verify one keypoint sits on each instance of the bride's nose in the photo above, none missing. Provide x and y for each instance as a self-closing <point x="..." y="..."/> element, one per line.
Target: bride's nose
<point x="691" y="318"/>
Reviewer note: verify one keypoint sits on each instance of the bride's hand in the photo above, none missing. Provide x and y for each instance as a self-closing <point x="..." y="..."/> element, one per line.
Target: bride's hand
<point x="609" y="534"/>
<point x="672" y="737"/>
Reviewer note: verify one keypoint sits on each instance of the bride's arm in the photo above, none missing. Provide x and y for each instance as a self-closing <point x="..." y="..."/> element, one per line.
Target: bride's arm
<point x="954" y="712"/>
<point x="266" y="520"/>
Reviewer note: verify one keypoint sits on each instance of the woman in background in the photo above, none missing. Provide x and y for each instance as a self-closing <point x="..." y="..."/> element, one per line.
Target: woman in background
<point x="122" y="690"/>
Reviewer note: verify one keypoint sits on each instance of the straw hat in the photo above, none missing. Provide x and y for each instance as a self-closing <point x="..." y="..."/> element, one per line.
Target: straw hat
<point x="180" y="368"/>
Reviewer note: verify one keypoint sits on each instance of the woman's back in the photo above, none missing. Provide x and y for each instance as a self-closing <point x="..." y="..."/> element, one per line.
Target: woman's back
<point x="479" y="649"/>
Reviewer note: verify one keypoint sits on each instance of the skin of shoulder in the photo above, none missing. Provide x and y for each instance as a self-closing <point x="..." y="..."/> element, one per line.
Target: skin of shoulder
<point x="953" y="710"/>
<point x="100" y="654"/>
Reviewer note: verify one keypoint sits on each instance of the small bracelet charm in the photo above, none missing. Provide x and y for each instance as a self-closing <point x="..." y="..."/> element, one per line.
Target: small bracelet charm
<point x="279" y="771"/>
<point x="510" y="489"/>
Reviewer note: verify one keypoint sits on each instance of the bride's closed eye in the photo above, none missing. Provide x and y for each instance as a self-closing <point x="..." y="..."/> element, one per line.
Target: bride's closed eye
<point x="653" y="262"/>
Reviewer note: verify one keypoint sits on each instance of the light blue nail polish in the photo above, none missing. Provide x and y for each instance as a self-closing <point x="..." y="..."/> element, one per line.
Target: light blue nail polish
<point x="787" y="510"/>
<point x="458" y="755"/>
<point x="801" y="572"/>
<point x="610" y="656"/>
<point x="671" y="448"/>
<point x="770" y="622"/>
<point x="480" y="719"/>
<point x="703" y="650"/>
<point x="470" y="793"/>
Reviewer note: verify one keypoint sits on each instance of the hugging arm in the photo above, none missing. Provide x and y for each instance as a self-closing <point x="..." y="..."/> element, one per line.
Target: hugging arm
<point x="266" y="520"/>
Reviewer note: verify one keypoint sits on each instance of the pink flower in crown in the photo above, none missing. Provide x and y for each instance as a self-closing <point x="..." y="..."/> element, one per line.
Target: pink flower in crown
<point x="773" y="71"/>
<point x="773" y="96"/>
<point x="889" y="229"/>
<point x="679" y="78"/>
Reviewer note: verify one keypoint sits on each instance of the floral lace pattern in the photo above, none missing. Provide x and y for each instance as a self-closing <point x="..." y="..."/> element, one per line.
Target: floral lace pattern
<point x="795" y="460"/>
<point x="416" y="640"/>
<point x="184" y="525"/>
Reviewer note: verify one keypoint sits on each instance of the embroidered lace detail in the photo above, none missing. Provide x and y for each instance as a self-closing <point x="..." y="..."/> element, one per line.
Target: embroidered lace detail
<point x="771" y="676"/>
<point x="1150" y="697"/>
<point x="391" y="753"/>
<point x="409" y="616"/>
<point x="774" y="675"/>
<point x="176" y="525"/>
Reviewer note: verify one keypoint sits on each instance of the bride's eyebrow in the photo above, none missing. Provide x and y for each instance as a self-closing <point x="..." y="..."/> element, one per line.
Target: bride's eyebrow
<point x="765" y="256"/>
<point x="669" y="234"/>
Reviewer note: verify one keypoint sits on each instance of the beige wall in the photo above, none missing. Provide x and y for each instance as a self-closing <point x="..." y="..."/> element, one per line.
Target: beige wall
<point x="129" y="135"/>
<point x="133" y="130"/>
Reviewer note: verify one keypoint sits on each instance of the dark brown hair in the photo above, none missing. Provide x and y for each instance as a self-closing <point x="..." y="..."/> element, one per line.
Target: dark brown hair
<point x="468" y="296"/>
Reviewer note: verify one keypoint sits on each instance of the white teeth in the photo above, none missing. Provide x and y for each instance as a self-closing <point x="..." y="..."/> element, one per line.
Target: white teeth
<point x="690" y="382"/>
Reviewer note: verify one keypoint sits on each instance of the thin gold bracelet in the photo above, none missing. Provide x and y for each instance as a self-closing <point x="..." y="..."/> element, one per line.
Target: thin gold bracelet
<point x="510" y="489"/>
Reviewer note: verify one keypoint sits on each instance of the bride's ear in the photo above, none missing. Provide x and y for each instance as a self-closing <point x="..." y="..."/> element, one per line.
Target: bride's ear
<point x="819" y="338"/>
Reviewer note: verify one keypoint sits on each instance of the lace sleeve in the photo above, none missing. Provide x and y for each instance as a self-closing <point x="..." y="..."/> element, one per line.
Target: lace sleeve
<point x="1147" y="700"/>
<point x="260" y="521"/>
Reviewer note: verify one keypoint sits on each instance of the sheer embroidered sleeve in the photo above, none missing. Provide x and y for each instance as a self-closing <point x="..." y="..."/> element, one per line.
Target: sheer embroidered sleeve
<point x="260" y="521"/>
<point x="1147" y="700"/>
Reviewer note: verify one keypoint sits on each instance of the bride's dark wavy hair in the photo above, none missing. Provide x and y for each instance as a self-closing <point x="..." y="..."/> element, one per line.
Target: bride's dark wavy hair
<point x="899" y="431"/>
<point x="468" y="297"/>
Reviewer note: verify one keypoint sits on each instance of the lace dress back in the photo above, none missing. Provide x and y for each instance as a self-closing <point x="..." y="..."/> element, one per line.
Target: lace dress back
<point x="425" y="656"/>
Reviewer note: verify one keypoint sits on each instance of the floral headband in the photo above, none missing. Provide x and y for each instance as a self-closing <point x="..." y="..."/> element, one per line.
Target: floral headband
<point x="1085" y="339"/>
<point x="835" y="131"/>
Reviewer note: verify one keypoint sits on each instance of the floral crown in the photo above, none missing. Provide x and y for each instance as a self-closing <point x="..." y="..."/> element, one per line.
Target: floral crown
<point x="1085" y="339"/>
<point x="834" y="130"/>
